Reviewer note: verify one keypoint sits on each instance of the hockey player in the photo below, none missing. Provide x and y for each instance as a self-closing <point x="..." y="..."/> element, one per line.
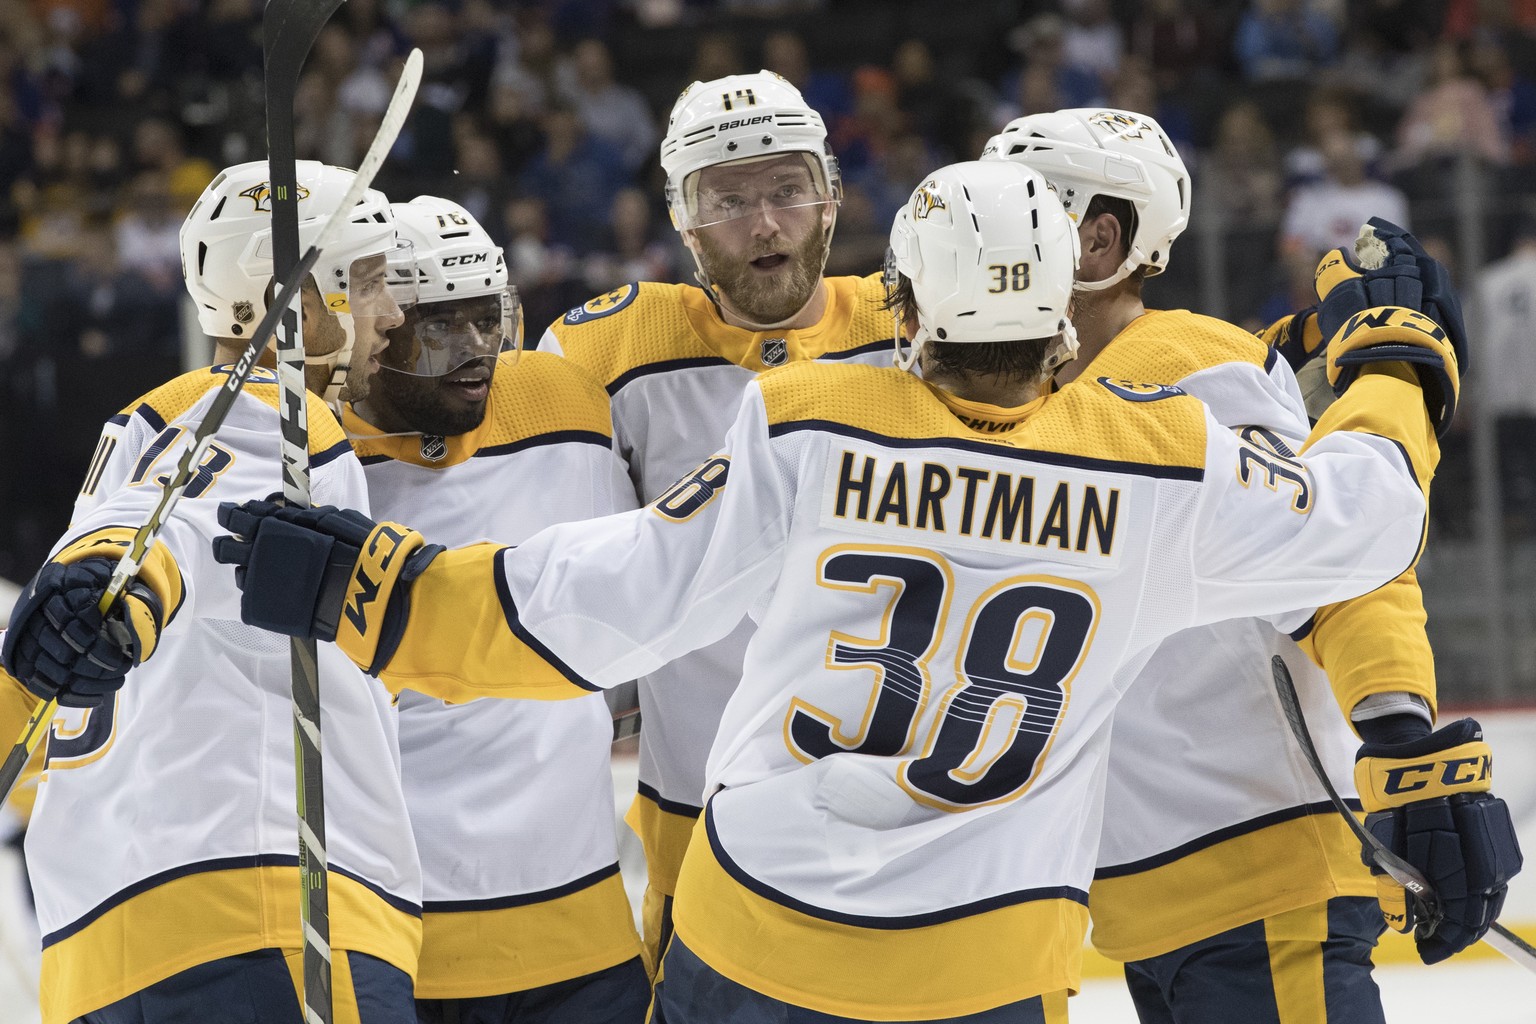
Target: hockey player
<point x="953" y="577"/>
<point x="524" y="917"/>
<point x="1227" y="883"/>
<point x="163" y="849"/>
<point x="754" y="190"/>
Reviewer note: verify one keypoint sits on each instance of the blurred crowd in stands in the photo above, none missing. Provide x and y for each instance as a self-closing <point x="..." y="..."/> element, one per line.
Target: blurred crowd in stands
<point x="1298" y="118"/>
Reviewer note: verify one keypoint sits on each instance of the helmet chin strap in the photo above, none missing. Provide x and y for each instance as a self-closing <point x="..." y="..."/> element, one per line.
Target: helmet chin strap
<point x="1063" y="349"/>
<point x="1133" y="260"/>
<point x="337" y="364"/>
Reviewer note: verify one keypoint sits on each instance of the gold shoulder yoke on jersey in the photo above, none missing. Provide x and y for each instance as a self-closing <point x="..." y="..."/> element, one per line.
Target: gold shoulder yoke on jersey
<point x="171" y="400"/>
<point x="537" y="396"/>
<point x="1084" y="420"/>
<point x="655" y="327"/>
<point x="1168" y="345"/>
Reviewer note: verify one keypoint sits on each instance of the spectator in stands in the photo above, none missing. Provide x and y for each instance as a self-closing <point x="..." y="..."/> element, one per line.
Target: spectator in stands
<point x="635" y="250"/>
<point x="1453" y="115"/>
<point x="1330" y="109"/>
<point x="716" y="55"/>
<point x="147" y="236"/>
<point x="1092" y="42"/>
<point x="1329" y="213"/>
<point x="614" y="113"/>
<point x="1506" y="372"/>
<point x="578" y="176"/>
<point x="1512" y="94"/>
<point x="1045" y="81"/>
<point x="1241" y="175"/>
<point x="512" y="127"/>
<point x="826" y="91"/>
<point x="158" y="145"/>
<point x="1283" y="40"/>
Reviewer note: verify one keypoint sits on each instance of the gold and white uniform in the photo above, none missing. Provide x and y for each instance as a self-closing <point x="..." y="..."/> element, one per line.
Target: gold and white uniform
<point x="165" y="833"/>
<point x="1211" y="818"/>
<point x="905" y="791"/>
<point x="675" y="373"/>
<point x="511" y="801"/>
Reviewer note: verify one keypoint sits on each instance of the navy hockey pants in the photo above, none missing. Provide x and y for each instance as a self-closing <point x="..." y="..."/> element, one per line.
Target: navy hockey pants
<point x="1306" y="966"/>
<point x="689" y="991"/>
<point x="617" y="995"/>
<point x="260" y="988"/>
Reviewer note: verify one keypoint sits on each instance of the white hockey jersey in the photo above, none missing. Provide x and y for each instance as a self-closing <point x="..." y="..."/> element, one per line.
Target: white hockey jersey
<point x="165" y="833"/>
<point x="675" y="373"/>
<point x="1235" y="828"/>
<point x="511" y="801"/>
<point x="905" y="791"/>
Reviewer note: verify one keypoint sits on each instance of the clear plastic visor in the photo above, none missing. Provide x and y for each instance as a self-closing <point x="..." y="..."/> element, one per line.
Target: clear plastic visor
<point x="783" y="185"/>
<point x="440" y="337"/>
<point x="373" y="285"/>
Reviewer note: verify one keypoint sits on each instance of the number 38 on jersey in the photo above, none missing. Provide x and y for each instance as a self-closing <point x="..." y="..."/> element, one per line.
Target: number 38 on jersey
<point x="1019" y="646"/>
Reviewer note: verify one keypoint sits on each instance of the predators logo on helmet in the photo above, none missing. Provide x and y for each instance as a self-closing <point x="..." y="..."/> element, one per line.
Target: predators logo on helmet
<point x="261" y="195"/>
<point x="925" y="201"/>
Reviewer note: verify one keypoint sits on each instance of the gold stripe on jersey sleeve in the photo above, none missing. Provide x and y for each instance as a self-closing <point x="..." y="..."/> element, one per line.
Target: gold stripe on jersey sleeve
<point x="171" y="400"/>
<point x="462" y="640"/>
<point x="535" y="396"/>
<point x="1375" y="644"/>
<point x="937" y="971"/>
<point x="673" y="322"/>
<point x="1252" y="876"/>
<point x="1165" y="346"/>
<point x="1084" y="419"/>
<point x="1386" y="401"/>
<point x="204" y="916"/>
<point x="665" y="836"/>
<point x="470" y="953"/>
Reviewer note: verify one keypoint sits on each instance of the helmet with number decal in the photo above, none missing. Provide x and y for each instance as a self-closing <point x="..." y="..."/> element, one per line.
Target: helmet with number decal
<point x="741" y="117"/>
<point x="1092" y="151"/>
<point x="226" y="251"/>
<point x="990" y="254"/>
<point x="465" y="309"/>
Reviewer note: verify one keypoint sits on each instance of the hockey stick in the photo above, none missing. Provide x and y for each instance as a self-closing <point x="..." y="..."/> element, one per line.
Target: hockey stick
<point x="1426" y="900"/>
<point x="289" y="28"/>
<point x="128" y="566"/>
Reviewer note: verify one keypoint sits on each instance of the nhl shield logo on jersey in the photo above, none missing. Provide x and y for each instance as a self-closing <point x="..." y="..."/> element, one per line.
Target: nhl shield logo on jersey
<point x="925" y="200"/>
<point x="261" y="195"/>
<point x="775" y="351"/>
<point x="1136" y="391"/>
<point x="433" y="447"/>
<point x="603" y="305"/>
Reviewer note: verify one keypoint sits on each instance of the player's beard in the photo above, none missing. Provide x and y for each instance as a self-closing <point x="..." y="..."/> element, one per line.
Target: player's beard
<point x="421" y="403"/>
<point x="760" y="298"/>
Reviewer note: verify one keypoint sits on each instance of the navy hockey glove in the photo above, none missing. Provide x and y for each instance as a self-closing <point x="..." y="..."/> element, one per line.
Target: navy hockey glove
<point x="1387" y="300"/>
<point x="326" y="573"/>
<point x="1388" y="267"/>
<point x="60" y="647"/>
<point x="1428" y="801"/>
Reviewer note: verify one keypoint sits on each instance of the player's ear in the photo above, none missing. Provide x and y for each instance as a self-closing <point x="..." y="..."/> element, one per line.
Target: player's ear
<point x="310" y="306"/>
<point x="1101" y="235"/>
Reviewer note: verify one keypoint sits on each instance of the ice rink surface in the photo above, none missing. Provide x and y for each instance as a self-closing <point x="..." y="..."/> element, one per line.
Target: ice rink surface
<point x="1480" y="988"/>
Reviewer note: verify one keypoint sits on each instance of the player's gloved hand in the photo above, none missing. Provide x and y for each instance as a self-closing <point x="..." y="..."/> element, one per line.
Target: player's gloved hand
<point x="326" y="573"/>
<point x="1387" y="300"/>
<point x="1427" y="799"/>
<point x="61" y="647"/>
<point x="1388" y="267"/>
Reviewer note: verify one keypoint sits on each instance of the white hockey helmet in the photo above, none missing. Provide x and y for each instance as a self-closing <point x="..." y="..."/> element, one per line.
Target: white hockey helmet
<point x="226" y="252"/>
<point x="465" y="309"/>
<point x="741" y="117"/>
<point x="991" y="255"/>
<point x="1091" y="151"/>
